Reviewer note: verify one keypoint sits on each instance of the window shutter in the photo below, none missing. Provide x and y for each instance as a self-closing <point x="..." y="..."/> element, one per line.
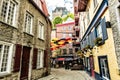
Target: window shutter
<point x="104" y="29"/>
<point x="93" y="35"/>
<point x="86" y="41"/>
<point x="35" y="51"/>
<point x="77" y="33"/>
<point x="90" y="39"/>
<point x="45" y="58"/>
<point x="17" y="58"/>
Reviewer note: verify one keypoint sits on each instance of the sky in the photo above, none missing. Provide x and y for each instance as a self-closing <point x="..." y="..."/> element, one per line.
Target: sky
<point x="51" y="4"/>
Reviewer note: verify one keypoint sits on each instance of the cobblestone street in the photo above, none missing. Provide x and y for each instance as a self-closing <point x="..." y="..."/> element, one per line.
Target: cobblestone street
<point x="62" y="74"/>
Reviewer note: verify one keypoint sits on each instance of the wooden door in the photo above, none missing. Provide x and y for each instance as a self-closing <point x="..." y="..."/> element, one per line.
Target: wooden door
<point x="92" y="66"/>
<point x="25" y="63"/>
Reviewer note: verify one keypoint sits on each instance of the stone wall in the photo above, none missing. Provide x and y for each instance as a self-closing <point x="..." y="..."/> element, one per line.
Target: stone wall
<point x="113" y="8"/>
<point x="36" y="74"/>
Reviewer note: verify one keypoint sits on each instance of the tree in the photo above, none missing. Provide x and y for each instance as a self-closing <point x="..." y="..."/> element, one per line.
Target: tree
<point x="57" y="20"/>
<point x="71" y="15"/>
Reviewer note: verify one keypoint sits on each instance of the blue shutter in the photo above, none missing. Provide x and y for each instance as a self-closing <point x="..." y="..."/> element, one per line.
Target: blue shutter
<point x="93" y="35"/>
<point x="87" y="41"/>
<point x="90" y="38"/>
<point x="104" y="29"/>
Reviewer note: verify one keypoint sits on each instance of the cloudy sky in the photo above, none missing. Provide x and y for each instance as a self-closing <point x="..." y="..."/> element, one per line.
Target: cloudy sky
<point x="51" y="4"/>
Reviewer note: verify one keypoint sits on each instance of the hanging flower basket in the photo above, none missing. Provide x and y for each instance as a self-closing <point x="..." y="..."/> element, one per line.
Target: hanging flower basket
<point x="98" y="41"/>
<point x="88" y="47"/>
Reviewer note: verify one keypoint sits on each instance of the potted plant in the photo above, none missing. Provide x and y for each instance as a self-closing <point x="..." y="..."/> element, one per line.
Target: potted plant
<point x="98" y="41"/>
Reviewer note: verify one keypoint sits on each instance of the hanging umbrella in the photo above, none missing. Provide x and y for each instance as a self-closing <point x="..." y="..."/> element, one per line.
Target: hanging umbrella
<point x="63" y="39"/>
<point x="70" y="41"/>
<point x="55" y="39"/>
<point x="61" y="42"/>
<point x="68" y="38"/>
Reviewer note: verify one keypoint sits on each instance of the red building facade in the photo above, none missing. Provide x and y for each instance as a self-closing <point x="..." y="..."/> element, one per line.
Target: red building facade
<point x="64" y="31"/>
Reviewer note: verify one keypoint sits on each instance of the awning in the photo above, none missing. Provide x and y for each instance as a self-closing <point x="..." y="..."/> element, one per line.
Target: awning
<point x="60" y="59"/>
<point x="68" y="59"/>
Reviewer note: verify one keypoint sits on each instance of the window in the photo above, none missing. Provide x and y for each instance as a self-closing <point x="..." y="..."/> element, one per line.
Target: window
<point x="104" y="70"/>
<point x="64" y="35"/>
<point x="8" y="11"/>
<point x="41" y="31"/>
<point x="5" y="58"/>
<point x="95" y="3"/>
<point x="69" y="28"/>
<point x="99" y="31"/>
<point x="28" y="23"/>
<point x="64" y="51"/>
<point x="70" y="35"/>
<point x="71" y="51"/>
<point x="40" y="58"/>
<point x="64" y="28"/>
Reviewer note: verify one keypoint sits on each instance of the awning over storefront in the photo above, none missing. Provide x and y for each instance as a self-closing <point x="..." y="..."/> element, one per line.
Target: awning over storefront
<point x="60" y="59"/>
<point x="68" y="59"/>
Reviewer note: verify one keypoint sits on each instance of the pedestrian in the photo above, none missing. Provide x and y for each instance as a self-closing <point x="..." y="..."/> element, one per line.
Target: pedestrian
<point x="54" y="63"/>
<point x="67" y="65"/>
<point x="70" y="65"/>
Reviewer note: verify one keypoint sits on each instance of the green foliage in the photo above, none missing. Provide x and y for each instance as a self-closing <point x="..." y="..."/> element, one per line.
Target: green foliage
<point x="57" y="20"/>
<point x="98" y="41"/>
<point x="71" y="15"/>
<point x="88" y="47"/>
<point x="79" y="52"/>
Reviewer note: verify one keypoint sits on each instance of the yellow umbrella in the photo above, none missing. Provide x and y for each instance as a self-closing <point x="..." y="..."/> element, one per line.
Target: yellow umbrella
<point x="55" y="39"/>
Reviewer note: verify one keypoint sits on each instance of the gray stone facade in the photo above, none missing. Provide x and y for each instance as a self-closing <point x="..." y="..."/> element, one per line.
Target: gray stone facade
<point x="16" y="35"/>
<point x="114" y="7"/>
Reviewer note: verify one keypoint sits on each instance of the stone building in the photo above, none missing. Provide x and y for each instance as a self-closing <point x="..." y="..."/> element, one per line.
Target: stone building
<point x="24" y="39"/>
<point x="59" y="11"/>
<point x="64" y="31"/>
<point x="114" y="8"/>
<point x="99" y="33"/>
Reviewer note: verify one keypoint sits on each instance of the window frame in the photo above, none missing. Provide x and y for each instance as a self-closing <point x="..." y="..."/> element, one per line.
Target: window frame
<point x="26" y="23"/>
<point x="7" y="11"/>
<point x="41" y="30"/>
<point x="40" y="58"/>
<point x="99" y="31"/>
<point x="95" y="3"/>
<point x="9" y="61"/>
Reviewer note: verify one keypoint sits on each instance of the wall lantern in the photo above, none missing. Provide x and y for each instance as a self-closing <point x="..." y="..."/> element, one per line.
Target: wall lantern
<point x="108" y="24"/>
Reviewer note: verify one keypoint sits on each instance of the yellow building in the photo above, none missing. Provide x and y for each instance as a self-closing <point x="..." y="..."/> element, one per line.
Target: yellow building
<point x="97" y="41"/>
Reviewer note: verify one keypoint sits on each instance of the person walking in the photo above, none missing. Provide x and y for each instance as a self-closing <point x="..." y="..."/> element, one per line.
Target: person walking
<point x="54" y="63"/>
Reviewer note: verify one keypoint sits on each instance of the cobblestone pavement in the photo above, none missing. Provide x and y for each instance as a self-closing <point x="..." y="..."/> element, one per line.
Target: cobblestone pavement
<point x="62" y="74"/>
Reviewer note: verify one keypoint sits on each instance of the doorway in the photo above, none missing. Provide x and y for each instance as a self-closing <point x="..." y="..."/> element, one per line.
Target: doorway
<point x="104" y="70"/>
<point x="25" y="63"/>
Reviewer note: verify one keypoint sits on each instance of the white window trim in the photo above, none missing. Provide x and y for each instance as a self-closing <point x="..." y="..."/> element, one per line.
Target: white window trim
<point x="14" y="18"/>
<point x="41" y="59"/>
<point x="31" y="27"/>
<point x="41" y="26"/>
<point x="8" y="71"/>
<point x="99" y="28"/>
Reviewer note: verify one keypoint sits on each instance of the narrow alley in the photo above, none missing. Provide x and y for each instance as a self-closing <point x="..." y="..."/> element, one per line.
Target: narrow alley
<point x="62" y="74"/>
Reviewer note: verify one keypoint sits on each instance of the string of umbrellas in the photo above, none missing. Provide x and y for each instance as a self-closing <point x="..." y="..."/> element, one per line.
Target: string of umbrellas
<point x="57" y="43"/>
